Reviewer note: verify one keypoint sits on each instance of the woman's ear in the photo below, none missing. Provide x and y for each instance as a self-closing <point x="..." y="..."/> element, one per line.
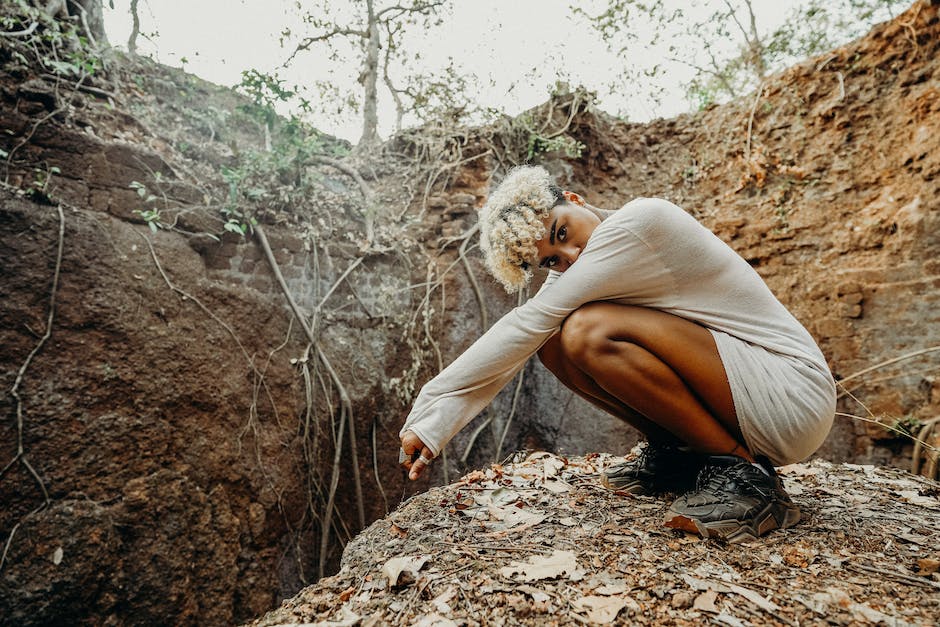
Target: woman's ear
<point x="573" y="198"/>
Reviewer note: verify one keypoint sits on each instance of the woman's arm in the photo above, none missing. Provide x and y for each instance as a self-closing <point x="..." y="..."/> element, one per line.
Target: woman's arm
<point x="615" y="264"/>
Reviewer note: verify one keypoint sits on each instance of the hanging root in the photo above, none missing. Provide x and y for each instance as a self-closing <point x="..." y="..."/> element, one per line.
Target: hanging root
<point x="345" y="408"/>
<point x="15" y="390"/>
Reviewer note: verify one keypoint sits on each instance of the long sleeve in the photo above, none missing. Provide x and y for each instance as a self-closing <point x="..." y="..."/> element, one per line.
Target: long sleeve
<point x="615" y="264"/>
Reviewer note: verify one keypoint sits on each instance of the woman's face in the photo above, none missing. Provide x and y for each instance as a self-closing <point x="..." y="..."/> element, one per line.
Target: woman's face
<point x="568" y="228"/>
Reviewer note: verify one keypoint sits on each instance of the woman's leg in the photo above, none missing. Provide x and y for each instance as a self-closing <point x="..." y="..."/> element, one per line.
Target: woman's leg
<point x="552" y="357"/>
<point x="662" y="366"/>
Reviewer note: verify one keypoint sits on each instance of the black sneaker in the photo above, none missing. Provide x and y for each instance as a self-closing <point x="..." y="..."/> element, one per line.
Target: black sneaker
<point x="734" y="500"/>
<point x="656" y="469"/>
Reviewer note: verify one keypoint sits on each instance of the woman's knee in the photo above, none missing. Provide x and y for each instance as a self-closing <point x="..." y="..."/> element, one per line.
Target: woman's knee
<point x="586" y="332"/>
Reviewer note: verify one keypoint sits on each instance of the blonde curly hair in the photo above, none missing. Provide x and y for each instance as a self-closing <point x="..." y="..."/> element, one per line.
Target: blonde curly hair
<point x="511" y="223"/>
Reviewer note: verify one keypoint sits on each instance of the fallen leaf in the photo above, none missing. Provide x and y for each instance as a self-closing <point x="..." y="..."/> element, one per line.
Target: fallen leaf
<point x="860" y="611"/>
<point x="600" y="610"/>
<point x="57" y="556"/>
<point x="612" y="588"/>
<point x="701" y="584"/>
<point x="394" y="567"/>
<point x="552" y="466"/>
<point x="798" y="470"/>
<point x="537" y="595"/>
<point x="913" y="496"/>
<point x="472" y="477"/>
<point x="728" y="619"/>
<point x="928" y="566"/>
<point x="398" y="531"/>
<point x="510" y="517"/>
<point x="441" y="601"/>
<point x="755" y="598"/>
<point x="544" y="567"/>
<point x="705" y="602"/>
<point x="434" y="620"/>
<point x="556" y="486"/>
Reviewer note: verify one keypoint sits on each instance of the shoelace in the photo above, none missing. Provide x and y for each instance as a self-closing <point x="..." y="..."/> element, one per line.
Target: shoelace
<point x="714" y="477"/>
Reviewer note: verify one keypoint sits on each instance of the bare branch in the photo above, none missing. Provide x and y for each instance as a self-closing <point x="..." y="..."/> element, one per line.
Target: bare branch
<point x="721" y="78"/>
<point x="337" y="32"/>
<point x="416" y="8"/>
<point x="732" y="13"/>
<point x="389" y="46"/>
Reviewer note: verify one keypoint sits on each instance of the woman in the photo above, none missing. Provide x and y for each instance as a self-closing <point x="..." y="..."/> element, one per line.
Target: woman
<point x="648" y="315"/>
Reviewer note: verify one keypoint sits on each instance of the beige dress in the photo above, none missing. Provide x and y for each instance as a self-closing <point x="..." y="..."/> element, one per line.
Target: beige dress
<point x="651" y="253"/>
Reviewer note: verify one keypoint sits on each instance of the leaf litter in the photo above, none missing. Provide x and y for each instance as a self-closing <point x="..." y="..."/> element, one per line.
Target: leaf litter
<point x="540" y="542"/>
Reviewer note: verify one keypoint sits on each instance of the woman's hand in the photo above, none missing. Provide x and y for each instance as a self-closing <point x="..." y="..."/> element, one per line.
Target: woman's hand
<point x="411" y="444"/>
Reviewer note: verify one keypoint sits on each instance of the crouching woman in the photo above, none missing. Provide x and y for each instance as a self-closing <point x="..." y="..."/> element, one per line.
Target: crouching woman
<point x="651" y="317"/>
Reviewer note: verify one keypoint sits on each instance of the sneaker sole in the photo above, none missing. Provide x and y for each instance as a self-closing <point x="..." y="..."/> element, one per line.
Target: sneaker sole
<point x="774" y="516"/>
<point x="639" y="488"/>
<point x="635" y="488"/>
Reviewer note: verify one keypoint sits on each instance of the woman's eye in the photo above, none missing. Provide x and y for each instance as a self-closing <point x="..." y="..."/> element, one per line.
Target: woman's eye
<point x="552" y="262"/>
<point x="562" y="233"/>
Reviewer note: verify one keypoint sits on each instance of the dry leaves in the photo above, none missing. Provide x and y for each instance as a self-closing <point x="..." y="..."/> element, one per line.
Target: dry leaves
<point x="558" y="564"/>
<point x="539" y="541"/>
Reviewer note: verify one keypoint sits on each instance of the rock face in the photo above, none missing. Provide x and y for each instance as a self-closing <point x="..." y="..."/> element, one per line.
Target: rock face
<point x="172" y="452"/>
<point x="164" y="462"/>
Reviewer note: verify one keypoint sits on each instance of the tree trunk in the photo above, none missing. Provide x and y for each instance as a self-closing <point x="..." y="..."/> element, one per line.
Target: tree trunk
<point x="370" y="72"/>
<point x="90" y="14"/>
<point x="132" y="40"/>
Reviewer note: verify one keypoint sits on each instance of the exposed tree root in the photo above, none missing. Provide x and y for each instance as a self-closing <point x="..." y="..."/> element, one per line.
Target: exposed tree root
<point x="14" y="391"/>
<point x="345" y="408"/>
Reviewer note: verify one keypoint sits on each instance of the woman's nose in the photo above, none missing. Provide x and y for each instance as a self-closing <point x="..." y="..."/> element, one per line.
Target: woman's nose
<point x="571" y="254"/>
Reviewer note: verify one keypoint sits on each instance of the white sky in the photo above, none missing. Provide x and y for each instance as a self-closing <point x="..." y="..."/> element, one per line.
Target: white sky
<point x="516" y="48"/>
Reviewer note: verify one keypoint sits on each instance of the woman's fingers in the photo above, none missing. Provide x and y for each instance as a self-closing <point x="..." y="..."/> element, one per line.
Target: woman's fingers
<point x="418" y="466"/>
<point x="411" y="444"/>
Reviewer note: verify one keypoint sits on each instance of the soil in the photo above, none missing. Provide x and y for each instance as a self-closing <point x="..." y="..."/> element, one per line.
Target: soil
<point x="540" y="542"/>
<point x="174" y="466"/>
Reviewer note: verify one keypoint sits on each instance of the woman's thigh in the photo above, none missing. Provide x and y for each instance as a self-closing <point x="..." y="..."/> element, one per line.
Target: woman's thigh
<point x="688" y="348"/>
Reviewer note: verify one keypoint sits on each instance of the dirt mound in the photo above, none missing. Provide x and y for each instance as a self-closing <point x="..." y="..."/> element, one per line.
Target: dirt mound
<point x="539" y="542"/>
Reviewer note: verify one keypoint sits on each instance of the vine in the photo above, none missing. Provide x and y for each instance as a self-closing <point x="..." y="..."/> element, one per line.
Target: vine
<point x="21" y="456"/>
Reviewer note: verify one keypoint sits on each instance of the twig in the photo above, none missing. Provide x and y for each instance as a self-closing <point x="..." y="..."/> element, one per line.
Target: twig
<point x="894" y="575"/>
<point x="14" y="391"/>
<point x="930" y="469"/>
<point x="6" y="546"/>
<point x="874" y="421"/>
<point x="888" y="362"/>
<point x="462" y="251"/>
<point x="512" y="413"/>
<point x="367" y="194"/>
<point x="473" y="438"/>
<point x="95" y="91"/>
<point x="20" y="33"/>
<point x="750" y="121"/>
<point x="375" y="464"/>
<point x="199" y="303"/>
<point x="332" y="289"/>
<point x="515" y="395"/>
